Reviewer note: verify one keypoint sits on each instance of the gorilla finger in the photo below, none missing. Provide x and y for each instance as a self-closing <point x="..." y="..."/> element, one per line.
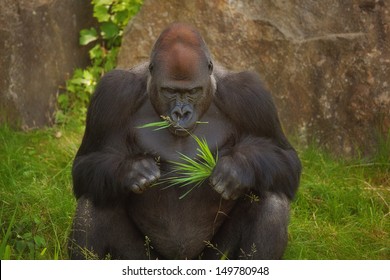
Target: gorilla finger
<point x="214" y="180"/>
<point x="232" y="191"/>
<point x="135" y="188"/>
<point x="149" y="169"/>
<point x="150" y="164"/>
<point x="216" y="177"/>
<point x="137" y="185"/>
<point x="142" y="164"/>
<point x="143" y="182"/>
<point x="150" y="176"/>
<point x="230" y="196"/>
<point x="220" y="187"/>
<point x="227" y="195"/>
<point x="155" y="173"/>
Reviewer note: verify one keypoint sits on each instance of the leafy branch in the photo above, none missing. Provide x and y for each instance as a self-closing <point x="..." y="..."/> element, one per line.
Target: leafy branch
<point x="104" y="42"/>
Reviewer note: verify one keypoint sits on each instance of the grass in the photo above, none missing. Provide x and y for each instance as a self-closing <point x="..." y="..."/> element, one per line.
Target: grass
<point x="36" y="201"/>
<point x="188" y="172"/>
<point x="193" y="172"/>
<point x="341" y="210"/>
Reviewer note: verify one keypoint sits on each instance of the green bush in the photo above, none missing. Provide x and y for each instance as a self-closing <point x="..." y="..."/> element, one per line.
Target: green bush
<point x="112" y="16"/>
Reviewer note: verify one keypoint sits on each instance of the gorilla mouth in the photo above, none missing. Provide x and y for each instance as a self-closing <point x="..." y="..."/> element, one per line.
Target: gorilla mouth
<point x="181" y="131"/>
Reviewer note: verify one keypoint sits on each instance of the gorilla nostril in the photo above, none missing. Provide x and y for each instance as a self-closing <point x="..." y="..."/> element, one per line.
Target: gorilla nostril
<point x="176" y="115"/>
<point x="179" y="114"/>
<point x="186" y="115"/>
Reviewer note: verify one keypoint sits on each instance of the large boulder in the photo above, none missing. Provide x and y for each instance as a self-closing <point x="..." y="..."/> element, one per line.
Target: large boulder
<point x="327" y="63"/>
<point x="38" y="51"/>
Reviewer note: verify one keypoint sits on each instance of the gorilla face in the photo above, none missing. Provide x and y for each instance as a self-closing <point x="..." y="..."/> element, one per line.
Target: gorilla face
<point x="181" y="85"/>
<point x="181" y="105"/>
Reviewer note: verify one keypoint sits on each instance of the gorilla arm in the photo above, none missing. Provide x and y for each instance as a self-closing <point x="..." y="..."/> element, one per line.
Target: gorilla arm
<point x="105" y="166"/>
<point x="261" y="159"/>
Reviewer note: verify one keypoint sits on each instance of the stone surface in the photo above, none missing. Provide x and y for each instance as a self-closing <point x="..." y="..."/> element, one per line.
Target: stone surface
<point x="38" y="51"/>
<point x="327" y="63"/>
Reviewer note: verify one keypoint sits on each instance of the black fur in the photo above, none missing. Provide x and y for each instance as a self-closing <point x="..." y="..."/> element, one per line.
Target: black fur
<point x="117" y="164"/>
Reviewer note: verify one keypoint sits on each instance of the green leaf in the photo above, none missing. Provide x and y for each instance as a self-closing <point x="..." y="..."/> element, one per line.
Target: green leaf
<point x="63" y="100"/>
<point x="102" y="2"/>
<point x="43" y="251"/>
<point x="88" y="77"/>
<point x="87" y="36"/>
<point x="100" y="12"/>
<point x="7" y="253"/>
<point x="121" y="17"/>
<point x="111" y="58"/>
<point x="39" y="241"/>
<point x="96" y="52"/>
<point x="109" y="30"/>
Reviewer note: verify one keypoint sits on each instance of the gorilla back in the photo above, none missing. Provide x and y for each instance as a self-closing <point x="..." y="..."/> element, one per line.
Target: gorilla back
<point x="241" y="211"/>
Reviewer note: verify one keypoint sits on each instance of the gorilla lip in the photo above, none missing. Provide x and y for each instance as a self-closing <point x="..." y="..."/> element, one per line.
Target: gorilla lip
<point x="181" y="131"/>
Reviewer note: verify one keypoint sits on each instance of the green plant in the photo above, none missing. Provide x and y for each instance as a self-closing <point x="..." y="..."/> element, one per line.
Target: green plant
<point x="189" y="171"/>
<point x="112" y="16"/>
<point x="37" y="203"/>
<point x="193" y="171"/>
<point x="5" y="248"/>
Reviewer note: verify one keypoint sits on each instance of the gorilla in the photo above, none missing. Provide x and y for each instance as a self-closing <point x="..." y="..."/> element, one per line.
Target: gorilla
<point x="124" y="208"/>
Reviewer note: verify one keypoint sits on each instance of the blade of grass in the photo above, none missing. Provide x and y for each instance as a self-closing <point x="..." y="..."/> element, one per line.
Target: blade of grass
<point x="159" y="125"/>
<point x="189" y="171"/>
<point x="4" y="248"/>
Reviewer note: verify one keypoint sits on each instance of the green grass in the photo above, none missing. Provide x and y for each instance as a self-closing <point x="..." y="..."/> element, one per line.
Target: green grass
<point x="189" y="172"/>
<point x="35" y="186"/>
<point x="341" y="210"/>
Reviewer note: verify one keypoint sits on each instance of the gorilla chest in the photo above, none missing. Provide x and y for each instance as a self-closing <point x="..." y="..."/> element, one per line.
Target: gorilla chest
<point x="179" y="227"/>
<point x="213" y="127"/>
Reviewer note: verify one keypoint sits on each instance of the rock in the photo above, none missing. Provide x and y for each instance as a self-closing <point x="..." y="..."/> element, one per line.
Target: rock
<point x="38" y="51"/>
<point x="327" y="63"/>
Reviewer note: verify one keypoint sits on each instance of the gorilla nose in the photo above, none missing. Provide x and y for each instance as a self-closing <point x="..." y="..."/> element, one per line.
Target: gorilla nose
<point x="181" y="114"/>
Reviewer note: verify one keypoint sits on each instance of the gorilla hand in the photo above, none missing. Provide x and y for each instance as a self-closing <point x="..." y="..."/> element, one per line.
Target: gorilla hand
<point x="230" y="179"/>
<point x="143" y="172"/>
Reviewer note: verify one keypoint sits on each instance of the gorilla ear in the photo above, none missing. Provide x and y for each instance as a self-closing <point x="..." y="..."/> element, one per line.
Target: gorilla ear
<point x="150" y="68"/>
<point x="210" y="67"/>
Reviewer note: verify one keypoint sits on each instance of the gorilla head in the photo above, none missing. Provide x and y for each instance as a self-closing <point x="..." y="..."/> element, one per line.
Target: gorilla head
<point x="181" y="84"/>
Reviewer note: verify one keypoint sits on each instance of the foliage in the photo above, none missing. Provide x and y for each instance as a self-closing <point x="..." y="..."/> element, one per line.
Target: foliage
<point x="342" y="208"/>
<point x="188" y="172"/>
<point x="193" y="172"/>
<point x="104" y="43"/>
<point x="37" y="204"/>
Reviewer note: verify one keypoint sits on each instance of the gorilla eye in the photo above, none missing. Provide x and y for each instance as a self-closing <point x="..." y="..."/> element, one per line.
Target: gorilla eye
<point x="211" y="66"/>
<point x="195" y="90"/>
<point x="168" y="92"/>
